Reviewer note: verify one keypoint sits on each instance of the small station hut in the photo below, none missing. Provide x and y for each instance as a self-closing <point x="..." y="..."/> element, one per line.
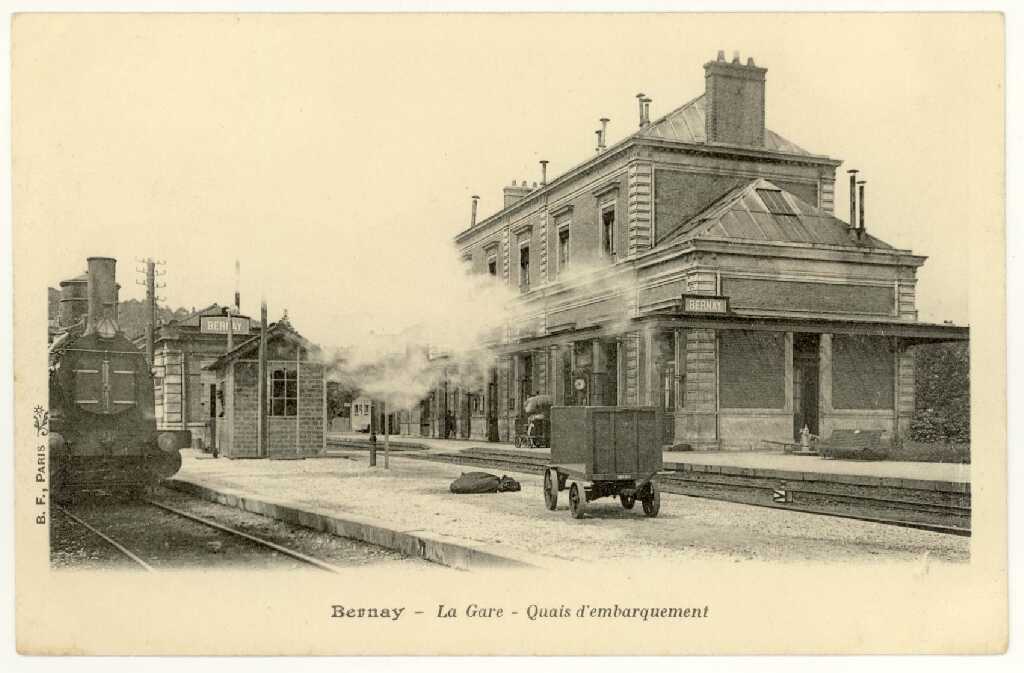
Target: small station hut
<point x="295" y="408"/>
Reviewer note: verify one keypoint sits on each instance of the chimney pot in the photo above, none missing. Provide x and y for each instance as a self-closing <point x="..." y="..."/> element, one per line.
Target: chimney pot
<point x="750" y="61"/>
<point x="517" y="192"/>
<point x="472" y="217"/>
<point x="736" y="57"/>
<point x="734" y="100"/>
<point x="861" y="230"/>
<point x="543" y="172"/>
<point x="721" y="55"/>
<point x="853" y="198"/>
<point x="640" y="97"/>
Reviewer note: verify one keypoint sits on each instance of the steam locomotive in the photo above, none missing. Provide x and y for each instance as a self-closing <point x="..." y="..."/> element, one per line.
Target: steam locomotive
<point x="103" y="434"/>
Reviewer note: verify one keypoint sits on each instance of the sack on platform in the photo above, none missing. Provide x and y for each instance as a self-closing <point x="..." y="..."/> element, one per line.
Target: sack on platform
<point x="483" y="482"/>
<point x="508" y="484"/>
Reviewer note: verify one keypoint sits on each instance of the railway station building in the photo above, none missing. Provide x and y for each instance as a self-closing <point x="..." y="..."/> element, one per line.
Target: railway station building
<point x="184" y="390"/>
<point x="697" y="266"/>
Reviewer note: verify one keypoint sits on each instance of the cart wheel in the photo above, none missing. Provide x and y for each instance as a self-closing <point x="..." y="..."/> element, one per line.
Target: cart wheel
<point x="652" y="503"/>
<point x="551" y="488"/>
<point x="627" y="500"/>
<point x="517" y="441"/>
<point x="577" y="505"/>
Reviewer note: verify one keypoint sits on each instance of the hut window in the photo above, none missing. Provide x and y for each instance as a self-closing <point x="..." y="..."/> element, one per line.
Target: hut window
<point x="284" y="392"/>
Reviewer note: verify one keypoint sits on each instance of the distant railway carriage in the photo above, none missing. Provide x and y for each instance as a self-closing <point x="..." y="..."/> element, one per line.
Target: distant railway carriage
<point x="361" y="414"/>
<point x="102" y="427"/>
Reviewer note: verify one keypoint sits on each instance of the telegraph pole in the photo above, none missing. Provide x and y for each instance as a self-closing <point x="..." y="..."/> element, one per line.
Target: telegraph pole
<point x="233" y="311"/>
<point x="151" y="302"/>
<point x="262" y="383"/>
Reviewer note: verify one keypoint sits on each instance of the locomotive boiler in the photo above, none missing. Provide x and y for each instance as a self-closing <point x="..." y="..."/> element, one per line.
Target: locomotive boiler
<point x="103" y="433"/>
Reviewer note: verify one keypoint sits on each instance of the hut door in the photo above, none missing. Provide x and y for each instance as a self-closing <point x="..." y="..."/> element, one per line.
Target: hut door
<point x="805" y="384"/>
<point x="212" y="435"/>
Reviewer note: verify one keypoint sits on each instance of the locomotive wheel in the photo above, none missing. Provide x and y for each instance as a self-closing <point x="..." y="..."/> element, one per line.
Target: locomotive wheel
<point x="577" y="505"/>
<point x="627" y="500"/>
<point x="551" y="489"/>
<point x="652" y="503"/>
<point x="517" y="441"/>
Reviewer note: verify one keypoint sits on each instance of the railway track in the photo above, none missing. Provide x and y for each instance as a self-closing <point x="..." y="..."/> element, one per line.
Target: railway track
<point x="252" y="541"/>
<point x="896" y="507"/>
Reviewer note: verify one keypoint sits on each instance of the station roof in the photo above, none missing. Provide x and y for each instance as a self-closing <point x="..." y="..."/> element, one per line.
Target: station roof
<point x="194" y="319"/>
<point x="687" y="124"/>
<point x="278" y="330"/>
<point x="760" y="211"/>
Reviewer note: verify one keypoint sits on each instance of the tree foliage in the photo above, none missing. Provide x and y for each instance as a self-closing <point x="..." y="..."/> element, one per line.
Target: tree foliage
<point x="943" y="395"/>
<point x="339" y="399"/>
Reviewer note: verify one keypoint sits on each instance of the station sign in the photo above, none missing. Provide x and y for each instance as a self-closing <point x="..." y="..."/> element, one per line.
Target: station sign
<point x="702" y="303"/>
<point x="218" y="324"/>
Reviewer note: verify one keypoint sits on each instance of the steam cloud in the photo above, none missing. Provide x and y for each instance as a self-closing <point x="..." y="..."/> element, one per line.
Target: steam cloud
<point x="416" y="309"/>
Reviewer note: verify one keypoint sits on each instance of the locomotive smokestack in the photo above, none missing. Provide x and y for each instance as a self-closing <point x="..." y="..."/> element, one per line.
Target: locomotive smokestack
<point x="102" y="292"/>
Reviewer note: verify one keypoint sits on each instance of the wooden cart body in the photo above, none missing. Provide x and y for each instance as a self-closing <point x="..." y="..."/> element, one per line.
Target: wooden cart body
<point x="606" y="443"/>
<point x="616" y="449"/>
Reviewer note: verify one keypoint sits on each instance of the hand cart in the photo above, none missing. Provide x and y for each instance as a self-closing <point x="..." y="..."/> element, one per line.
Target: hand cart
<point x="599" y="452"/>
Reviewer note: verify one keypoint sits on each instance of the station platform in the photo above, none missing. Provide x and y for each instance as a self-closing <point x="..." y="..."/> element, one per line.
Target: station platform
<point x="409" y="507"/>
<point x="774" y="461"/>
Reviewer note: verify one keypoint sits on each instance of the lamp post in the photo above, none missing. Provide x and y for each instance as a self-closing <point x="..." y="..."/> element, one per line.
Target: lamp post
<point x="387" y="442"/>
<point x="373" y="436"/>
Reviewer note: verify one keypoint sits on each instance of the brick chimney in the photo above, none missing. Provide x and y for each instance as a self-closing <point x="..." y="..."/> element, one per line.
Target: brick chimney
<point x="515" y="193"/>
<point x="734" y="98"/>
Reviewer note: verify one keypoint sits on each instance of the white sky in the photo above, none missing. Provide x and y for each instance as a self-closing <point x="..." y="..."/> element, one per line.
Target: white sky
<point x="335" y="155"/>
